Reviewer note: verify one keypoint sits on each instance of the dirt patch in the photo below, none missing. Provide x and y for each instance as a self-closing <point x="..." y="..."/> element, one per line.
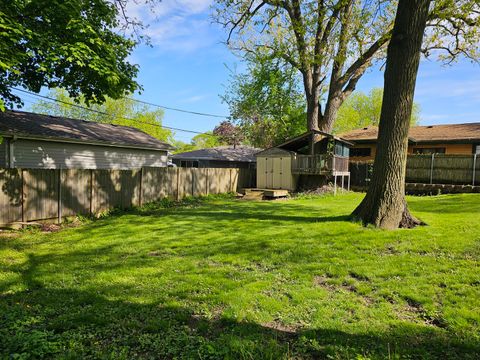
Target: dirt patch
<point x="49" y="228"/>
<point x="414" y="311"/>
<point x="322" y="281"/>
<point x="359" y="277"/>
<point x="155" y="253"/>
<point x="288" y="330"/>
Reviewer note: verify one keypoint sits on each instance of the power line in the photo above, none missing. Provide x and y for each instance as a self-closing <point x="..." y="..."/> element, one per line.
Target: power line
<point x="105" y="113"/>
<point x="179" y="110"/>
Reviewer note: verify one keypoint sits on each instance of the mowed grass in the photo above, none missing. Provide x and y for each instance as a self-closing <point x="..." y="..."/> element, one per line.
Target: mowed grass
<point x="247" y="280"/>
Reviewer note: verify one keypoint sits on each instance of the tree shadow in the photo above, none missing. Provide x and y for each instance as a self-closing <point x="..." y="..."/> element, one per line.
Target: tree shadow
<point x="48" y="322"/>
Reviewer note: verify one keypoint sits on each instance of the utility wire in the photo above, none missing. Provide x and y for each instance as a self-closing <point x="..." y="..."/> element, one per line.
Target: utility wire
<point x="104" y="113"/>
<point x="179" y="110"/>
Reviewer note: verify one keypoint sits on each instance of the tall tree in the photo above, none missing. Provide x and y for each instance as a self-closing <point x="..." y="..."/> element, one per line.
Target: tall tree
<point x="333" y="42"/>
<point x="123" y="111"/>
<point x="266" y="101"/>
<point x="384" y="204"/>
<point x="77" y="45"/>
<point x="361" y="110"/>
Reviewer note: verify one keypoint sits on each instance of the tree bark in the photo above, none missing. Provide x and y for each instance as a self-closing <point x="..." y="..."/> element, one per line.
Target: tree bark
<point x="384" y="204"/>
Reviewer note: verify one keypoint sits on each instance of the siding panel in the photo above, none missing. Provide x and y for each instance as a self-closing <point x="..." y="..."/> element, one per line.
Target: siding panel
<point x="3" y="153"/>
<point x="55" y="155"/>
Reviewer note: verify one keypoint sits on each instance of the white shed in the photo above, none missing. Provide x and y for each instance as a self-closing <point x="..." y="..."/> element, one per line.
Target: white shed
<point x="274" y="169"/>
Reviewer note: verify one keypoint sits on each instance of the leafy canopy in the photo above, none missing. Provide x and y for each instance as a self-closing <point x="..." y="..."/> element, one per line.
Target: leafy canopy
<point x="123" y="111"/>
<point x="333" y="42"/>
<point x="266" y="102"/>
<point x="72" y="44"/>
<point x="200" y="141"/>
<point x="361" y="110"/>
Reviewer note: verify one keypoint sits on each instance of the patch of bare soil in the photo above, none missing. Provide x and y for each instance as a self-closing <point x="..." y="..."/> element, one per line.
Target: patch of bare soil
<point x="288" y="330"/>
<point x="323" y="281"/>
<point x="414" y="311"/>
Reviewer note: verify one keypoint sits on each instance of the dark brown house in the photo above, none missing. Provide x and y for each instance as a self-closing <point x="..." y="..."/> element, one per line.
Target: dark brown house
<point x="240" y="156"/>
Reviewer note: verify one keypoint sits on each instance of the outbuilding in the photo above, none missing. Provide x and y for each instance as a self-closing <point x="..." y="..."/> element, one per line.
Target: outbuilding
<point x="306" y="161"/>
<point x="31" y="140"/>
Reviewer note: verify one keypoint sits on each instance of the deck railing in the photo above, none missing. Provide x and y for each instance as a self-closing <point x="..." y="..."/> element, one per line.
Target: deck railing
<point x="319" y="164"/>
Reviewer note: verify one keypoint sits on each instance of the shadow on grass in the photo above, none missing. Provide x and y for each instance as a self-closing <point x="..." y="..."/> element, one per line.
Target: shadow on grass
<point x="46" y="322"/>
<point x="444" y="204"/>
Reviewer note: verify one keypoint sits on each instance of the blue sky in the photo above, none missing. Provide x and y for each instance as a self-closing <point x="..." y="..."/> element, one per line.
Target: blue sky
<point x="187" y="68"/>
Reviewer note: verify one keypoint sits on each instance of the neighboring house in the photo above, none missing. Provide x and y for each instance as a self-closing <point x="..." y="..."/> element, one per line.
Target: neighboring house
<point x="305" y="161"/>
<point x="461" y="139"/>
<point x="42" y="141"/>
<point x="239" y="156"/>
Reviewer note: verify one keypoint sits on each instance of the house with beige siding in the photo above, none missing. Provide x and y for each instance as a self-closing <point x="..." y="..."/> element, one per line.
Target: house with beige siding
<point x="459" y="139"/>
<point x="31" y="140"/>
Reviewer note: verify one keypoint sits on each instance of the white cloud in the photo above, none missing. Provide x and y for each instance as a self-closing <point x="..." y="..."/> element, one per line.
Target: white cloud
<point x="176" y="25"/>
<point x="194" y="98"/>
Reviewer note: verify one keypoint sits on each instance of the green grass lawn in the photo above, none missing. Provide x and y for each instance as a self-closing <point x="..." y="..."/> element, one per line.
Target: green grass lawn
<point x="247" y="280"/>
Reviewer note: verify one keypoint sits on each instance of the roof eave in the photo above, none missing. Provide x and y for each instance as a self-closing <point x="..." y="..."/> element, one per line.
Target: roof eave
<point x="85" y="142"/>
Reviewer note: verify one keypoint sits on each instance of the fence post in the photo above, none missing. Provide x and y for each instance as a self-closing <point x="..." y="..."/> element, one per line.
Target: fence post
<point x="474" y="168"/>
<point x="207" y="183"/>
<point x="140" y="202"/>
<point x="59" y="213"/>
<point x="23" y="196"/>
<point x="178" y="192"/>
<point x="91" y="192"/>
<point x="431" y="168"/>
<point x="193" y="172"/>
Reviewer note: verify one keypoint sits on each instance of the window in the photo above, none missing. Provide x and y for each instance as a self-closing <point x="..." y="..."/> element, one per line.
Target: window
<point x="189" y="164"/>
<point x="360" y="152"/>
<point x="429" y="151"/>
<point x="341" y="149"/>
<point x="476" y="149"/>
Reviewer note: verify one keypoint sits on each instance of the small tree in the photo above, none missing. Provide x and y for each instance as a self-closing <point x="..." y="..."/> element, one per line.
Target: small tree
<point x="384" y="205"/>
<point x="228" y="133"/>
<point x="266" y="102"/>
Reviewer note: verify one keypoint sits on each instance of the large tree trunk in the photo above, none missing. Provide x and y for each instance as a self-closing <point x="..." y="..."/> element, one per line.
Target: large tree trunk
<point x="312" y="97"/>
<point x="331" y="111"/>
<point x="384" y="204"/>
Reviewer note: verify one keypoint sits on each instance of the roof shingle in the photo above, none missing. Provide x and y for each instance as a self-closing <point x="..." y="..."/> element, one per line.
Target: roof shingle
<point x="225" y="153"/>
<point x="33" y="125"/>
<point x="452" y="132"/>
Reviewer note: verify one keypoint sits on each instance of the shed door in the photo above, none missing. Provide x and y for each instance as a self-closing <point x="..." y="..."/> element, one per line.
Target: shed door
<point x="269" y="173"/>
<point x="277" y="173"/>
<point x="261" y="172"/>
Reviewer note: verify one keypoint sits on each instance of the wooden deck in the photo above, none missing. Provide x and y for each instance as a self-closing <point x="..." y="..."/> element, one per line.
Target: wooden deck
<point x="319" y="164"/>
<point x="258" y="194"/>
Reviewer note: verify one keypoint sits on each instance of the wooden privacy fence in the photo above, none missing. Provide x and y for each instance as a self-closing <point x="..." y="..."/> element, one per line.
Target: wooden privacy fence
<point x="41" y="194"/>
<point x="443" y="169"/>
<point x="428" y="169"/>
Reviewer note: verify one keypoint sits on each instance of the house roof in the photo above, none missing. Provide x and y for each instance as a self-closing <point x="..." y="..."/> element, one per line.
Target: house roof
<point x="300" y="141"/>
<point x="55" y="128"/>
<point x="469" y="132"/>
<point x="225" y="153"/>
